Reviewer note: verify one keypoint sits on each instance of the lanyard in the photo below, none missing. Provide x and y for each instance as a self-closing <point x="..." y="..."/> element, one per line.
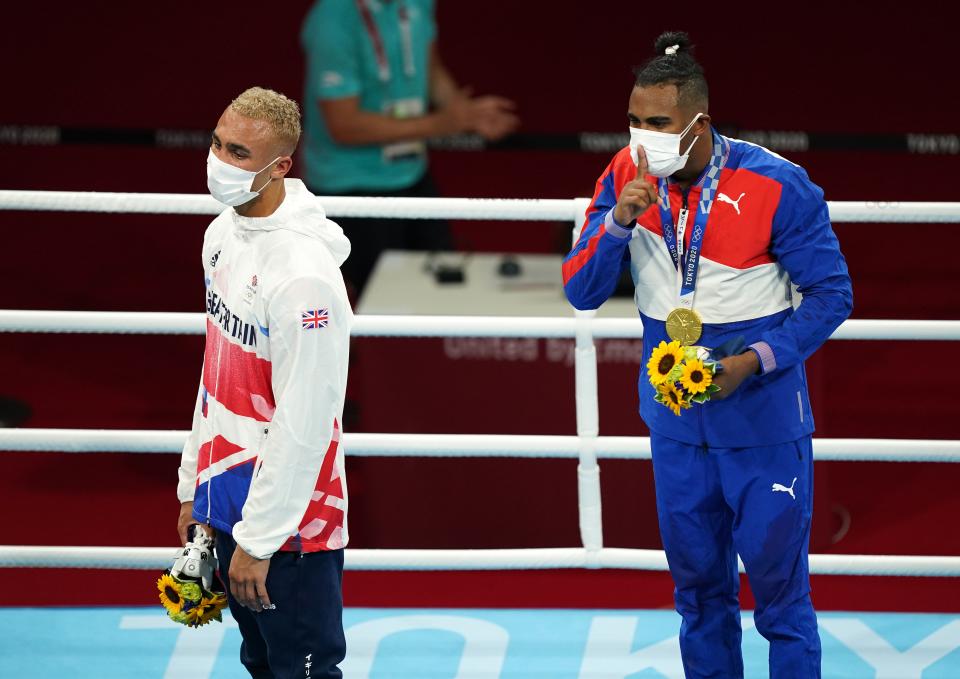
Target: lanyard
<point x="687" y="263"/>
<point x="406" y="39"/>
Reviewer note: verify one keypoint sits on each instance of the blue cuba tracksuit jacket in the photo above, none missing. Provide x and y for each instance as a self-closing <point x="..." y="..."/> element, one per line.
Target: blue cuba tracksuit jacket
<point x="732" y="476"/>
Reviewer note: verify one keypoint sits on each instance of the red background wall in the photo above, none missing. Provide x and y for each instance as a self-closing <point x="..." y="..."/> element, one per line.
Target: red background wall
<point x="176" y="65"/>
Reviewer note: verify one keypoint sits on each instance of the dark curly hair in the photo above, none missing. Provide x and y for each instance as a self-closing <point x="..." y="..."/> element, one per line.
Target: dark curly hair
<point x="673" y="64"/>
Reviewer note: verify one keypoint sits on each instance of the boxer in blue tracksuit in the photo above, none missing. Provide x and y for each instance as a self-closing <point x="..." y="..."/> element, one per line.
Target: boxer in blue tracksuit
<point x="734" y="475"/>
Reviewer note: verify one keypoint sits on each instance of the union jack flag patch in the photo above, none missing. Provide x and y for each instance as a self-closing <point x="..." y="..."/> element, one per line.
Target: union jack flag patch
<point x="315" y="318"/>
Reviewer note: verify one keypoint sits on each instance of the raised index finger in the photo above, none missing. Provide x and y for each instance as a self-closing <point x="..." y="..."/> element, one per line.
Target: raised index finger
<point x="641" y="163"/>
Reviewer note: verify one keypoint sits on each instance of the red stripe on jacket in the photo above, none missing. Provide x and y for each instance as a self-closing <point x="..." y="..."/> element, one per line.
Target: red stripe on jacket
<point x="623" y="171"/>
<point x="221" y="448"/>
<point x="738" y="240"/>
<point x="239" y="380"/>
<point x="575" y="263"/>
<point x="318" y="512"/>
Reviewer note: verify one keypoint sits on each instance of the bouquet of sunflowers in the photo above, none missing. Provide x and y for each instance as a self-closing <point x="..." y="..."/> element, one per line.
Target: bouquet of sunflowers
<point x="191" y="591"/>
<point x="682" y="375"/>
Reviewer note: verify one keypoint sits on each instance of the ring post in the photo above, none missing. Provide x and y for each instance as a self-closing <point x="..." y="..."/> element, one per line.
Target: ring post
<point x="588" y="421"/>
<point x="588" y="471"/>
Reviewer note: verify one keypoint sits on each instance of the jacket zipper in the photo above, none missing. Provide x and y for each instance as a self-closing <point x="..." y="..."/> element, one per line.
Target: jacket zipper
<point x="216" y="392"/>
<point x="213" y="439"/>
<point x="685" y="194"/>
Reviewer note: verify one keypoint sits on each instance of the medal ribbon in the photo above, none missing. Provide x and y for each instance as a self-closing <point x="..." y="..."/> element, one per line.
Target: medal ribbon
<point x="687" y="263"/>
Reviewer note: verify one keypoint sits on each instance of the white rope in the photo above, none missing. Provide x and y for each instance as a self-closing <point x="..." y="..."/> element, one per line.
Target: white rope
<point x="864" y="329"/>
<point x="168" y="323"/>
<point x="158" y="558"/>
<point x="465" y="445"/>
<point x="425" y="208"/>
<point x="107" y="201"/>
<point x="334" y="206"/>
<point x="120" y="322"/>
<point x="883" y="211"/>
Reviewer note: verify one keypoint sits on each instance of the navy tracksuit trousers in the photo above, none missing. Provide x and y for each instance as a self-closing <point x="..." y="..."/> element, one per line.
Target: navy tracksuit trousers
<point x="303" y="637"/>
<point x="713" y="503"/>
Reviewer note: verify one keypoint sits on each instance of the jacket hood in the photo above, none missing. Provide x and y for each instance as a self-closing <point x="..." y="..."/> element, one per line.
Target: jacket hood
<point x="300" y="212"/>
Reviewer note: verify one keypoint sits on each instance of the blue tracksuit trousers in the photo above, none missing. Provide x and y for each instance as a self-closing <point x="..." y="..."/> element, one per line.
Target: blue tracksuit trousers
<point x="303" y="637"/>
<point x="713" y="503"/>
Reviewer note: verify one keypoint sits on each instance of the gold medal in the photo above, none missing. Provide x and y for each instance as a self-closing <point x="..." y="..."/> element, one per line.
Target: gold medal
<point x="684" y="326"/>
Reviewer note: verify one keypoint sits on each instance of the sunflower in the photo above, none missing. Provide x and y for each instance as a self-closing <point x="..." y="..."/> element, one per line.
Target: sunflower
<point x="673" y="398"/>
<point x="695" y="378"/>
<point x="209" y="609"/>
<point x="663" y="360"/>
<point x="170" y="594"/>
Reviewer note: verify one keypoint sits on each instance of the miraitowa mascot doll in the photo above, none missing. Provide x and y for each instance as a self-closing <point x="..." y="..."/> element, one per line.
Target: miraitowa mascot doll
<point x="191" y="591"/>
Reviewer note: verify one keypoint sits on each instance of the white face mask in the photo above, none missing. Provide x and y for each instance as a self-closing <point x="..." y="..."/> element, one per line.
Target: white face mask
<point x="662" y="149"/>
<point x="232" y="185"/>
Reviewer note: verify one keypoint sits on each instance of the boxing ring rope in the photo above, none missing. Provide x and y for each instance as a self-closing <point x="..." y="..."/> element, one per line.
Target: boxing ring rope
<point x="167" y="323"/>
<point x="464" y="445"/>
<point x="587" y="446"/>
<point x="426" y="208"/>
<point x="158" y="558"/>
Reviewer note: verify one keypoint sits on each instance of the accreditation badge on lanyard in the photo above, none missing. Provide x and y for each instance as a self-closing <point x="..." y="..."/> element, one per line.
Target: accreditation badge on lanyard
<point x="683" y="323"/>
<point x="408" y="107"/>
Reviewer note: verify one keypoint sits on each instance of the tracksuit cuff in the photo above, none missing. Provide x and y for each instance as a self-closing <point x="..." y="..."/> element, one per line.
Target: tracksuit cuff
<point x="186" y="490"/>
<point x="610" y="226"/>
<point x="768" y="362"/>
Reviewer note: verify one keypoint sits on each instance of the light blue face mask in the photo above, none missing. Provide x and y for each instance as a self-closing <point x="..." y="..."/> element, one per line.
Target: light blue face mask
<point x="662" y="149"/>
<point x="233" y="185"/>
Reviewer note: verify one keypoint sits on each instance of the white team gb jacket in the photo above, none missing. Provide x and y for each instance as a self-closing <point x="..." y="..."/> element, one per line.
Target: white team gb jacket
<point x="263" y="459"/>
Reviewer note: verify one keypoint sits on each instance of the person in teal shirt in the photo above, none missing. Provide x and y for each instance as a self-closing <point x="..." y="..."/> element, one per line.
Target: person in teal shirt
<point x="376" y="90"/>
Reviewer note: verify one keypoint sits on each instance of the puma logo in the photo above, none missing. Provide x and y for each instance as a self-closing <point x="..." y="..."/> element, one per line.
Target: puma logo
<point x="780" y="488"/>
<point x="724" y="198"/>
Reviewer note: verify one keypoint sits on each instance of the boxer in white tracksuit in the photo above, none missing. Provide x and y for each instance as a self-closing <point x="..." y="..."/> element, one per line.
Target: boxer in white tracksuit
<point x="263" y="466"/>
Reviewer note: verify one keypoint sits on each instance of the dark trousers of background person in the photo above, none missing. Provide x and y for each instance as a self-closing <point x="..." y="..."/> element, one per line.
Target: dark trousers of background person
<point x="371" y="236"/>
<point x="303" y="636"/>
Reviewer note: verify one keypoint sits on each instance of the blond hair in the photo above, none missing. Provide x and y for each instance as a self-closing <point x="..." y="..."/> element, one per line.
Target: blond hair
<point x="281" y="112"/>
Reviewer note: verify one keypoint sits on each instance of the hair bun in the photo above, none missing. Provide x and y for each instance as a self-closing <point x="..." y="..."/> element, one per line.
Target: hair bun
<point x="672" y="42"/>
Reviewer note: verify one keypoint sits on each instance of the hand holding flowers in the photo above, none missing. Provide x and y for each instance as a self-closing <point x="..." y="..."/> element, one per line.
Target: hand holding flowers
<point x="682" y="375"/>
